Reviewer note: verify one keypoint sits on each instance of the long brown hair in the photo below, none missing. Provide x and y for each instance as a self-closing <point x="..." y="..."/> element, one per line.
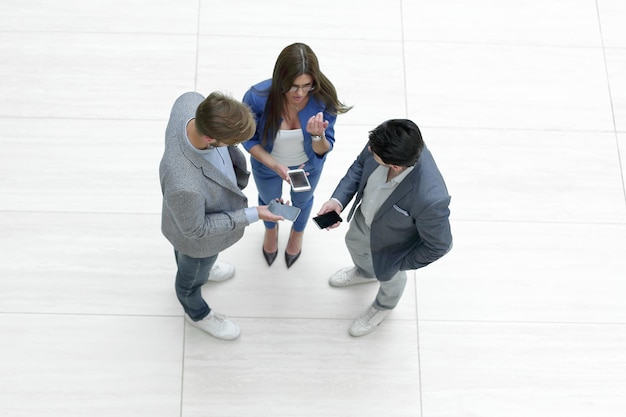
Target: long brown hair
<point x="295" y="60"/>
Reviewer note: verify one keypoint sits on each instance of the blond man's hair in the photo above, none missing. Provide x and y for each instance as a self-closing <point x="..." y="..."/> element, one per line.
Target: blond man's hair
<point x="225" y="119"/>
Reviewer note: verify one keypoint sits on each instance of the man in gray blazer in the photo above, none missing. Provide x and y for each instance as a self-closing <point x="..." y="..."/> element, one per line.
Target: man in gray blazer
<point x="202" y="173"/>
<point x="400" y="217"/>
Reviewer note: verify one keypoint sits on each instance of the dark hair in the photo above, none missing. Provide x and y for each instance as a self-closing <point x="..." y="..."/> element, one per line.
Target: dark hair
<point x="295" y="60"/>
<point x="225" y="119"/>
<point x="397" y="142"/>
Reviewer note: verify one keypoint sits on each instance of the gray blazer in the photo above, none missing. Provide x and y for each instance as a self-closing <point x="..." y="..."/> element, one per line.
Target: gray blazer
<point x="411" y="229"/>
<point x="203" y="211"/>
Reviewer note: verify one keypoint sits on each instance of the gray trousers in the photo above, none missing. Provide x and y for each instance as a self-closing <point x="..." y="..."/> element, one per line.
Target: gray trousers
<point x="358" y="244"/>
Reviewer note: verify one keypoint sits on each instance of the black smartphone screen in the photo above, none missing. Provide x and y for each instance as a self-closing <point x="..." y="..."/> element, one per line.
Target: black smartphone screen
<point x="327" y="219"/>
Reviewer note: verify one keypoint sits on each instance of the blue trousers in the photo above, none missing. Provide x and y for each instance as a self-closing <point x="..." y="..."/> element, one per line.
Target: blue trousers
<point x="270" y="186"/>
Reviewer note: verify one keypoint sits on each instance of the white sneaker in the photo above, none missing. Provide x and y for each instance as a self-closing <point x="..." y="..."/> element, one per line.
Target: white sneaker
<point x="348" y="276"/>
<point x="217" y="326"/>
<point x="368" y="321"/>
<point x="221" y="271"/>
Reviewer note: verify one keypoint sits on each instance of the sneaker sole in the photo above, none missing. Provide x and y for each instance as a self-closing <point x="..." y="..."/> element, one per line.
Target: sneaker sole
<point x="350" y="284"/>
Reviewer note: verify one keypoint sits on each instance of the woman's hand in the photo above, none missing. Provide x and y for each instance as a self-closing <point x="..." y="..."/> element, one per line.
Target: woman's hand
<point x="316" y="125"/>
<point x="282" y="170"/>
<point x="286" y="177"/>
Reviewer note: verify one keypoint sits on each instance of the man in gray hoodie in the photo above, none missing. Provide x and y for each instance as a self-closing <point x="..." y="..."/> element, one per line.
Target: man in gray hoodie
<point x="202" y="173"/>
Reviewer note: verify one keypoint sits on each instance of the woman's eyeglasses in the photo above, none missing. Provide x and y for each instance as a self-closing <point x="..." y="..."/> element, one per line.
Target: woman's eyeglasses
<point x="305" y="88"/>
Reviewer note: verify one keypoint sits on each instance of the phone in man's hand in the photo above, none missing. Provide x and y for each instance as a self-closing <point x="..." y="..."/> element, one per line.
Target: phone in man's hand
<point x="288" y="212"/>
<point x="327" y="219"/>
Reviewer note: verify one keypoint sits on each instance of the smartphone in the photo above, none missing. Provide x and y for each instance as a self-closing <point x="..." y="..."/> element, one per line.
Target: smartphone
<point x="327" y="219"/>
<point x="299" y="180"/>
<point x="288" y="212"/>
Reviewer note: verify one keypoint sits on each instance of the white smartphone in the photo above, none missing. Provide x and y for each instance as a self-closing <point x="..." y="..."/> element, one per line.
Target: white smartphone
<point x="288" y="212"/>
<point x="299" y="180"/>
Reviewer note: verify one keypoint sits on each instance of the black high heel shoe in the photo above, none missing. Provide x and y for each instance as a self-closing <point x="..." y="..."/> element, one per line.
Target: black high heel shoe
<point x="270" y="257"/>
<point x="291" y="259"/>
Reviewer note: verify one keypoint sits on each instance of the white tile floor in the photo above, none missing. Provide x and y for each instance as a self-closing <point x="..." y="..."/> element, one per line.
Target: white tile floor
<point x="523" y="104"/>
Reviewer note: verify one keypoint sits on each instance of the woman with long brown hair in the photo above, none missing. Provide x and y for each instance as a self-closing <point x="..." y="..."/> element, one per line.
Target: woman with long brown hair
<point x="295" y="112"/>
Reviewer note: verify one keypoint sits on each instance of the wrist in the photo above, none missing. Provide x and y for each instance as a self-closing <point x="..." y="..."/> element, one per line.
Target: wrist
<point x="337" y="202"/>
<point x="318" y="138"/>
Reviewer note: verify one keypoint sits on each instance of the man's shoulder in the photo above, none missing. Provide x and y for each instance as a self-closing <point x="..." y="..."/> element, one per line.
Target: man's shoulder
<point x="188" y="99"/>
<point x="178" y="173"/>
<point x="430" y="182"/>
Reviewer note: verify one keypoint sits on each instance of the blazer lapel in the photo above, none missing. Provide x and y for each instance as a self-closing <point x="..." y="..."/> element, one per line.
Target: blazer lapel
<point x="208" y="170"/>
<point x="369" y="167"/>
<point x="216" y="175"/>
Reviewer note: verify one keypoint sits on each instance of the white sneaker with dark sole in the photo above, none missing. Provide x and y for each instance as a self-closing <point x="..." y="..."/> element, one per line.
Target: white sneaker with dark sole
<point x="221" y="271"/>
<point x="217" y="326"/>
<point x="348" y="276"/>
<point x="368" y="321"/>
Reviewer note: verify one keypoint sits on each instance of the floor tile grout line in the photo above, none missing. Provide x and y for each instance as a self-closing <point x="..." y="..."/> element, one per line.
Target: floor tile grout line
<point x="324" y="319"/>
<point x="611" y="103"/>
<point x="507" y="44"/>
<point x="460" y="219"/>
<point x="195" y="75"/>
<point x="182" y="369"/>
<point x="526" y="322"/>
<point x="345" y="124"/>
<point x="403" y="54"/>
<point x="406" y="115"/>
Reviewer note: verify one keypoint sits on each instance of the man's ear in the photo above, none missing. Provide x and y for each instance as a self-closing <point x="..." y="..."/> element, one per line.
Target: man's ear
<point x="212" y="142"/>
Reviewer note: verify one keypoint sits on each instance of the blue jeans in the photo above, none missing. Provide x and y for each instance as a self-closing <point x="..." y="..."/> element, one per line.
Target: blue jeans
<point x="270" y="186"/>
<point x="192" y="274"/>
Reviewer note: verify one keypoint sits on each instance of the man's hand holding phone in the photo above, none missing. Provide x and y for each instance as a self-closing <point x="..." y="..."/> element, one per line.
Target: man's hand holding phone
<point x="328" y="216"/>
<point x="287" y="211"/>
<point x="266" y="215"/>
